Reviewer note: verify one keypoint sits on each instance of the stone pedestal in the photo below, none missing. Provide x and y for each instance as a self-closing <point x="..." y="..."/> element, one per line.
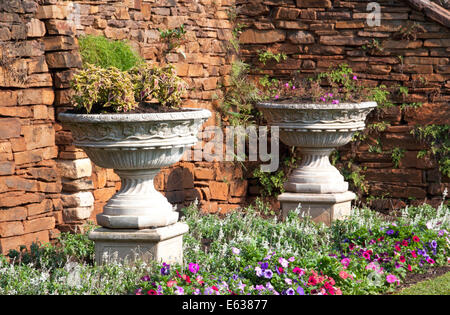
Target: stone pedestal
<point x="164" y="244"/>
<point x="321" y="207"/>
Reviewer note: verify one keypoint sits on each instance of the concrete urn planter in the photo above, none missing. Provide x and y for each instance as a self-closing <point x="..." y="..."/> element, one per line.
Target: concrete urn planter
<point x="317" y="129"/>
<point x="136" y="146"/>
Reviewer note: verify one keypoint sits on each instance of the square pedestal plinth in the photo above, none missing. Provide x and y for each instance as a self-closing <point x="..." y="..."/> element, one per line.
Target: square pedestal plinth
<point x="321" y="207"/>
<point x="163" y="244"/>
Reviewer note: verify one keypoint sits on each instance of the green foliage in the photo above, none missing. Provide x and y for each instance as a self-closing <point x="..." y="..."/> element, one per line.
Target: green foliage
<point x="397" y="154"/>
<point x="271" y="183"/>
<point x="352" y="174"/>
<point x="238" y="104"/>
<point x="380" y="95"/>
<point x="266" y="56"/>
<point x="103" y="90"/>
<point x="377" y="148"/>
<point x="374" y="47"/>
<point x="157" y="83"/>
<point x="173" y="37"/>
<point x="437" y="137"/>
<point x="105" y="53"/>
<point x="378" y="126"/>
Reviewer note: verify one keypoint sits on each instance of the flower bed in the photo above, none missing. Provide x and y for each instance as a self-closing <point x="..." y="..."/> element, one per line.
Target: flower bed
<point x="243" y="253"/>
<point x="366" y="257"/>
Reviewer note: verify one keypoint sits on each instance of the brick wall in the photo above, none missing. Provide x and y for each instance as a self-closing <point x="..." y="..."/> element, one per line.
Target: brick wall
<point x="47" y="185"/>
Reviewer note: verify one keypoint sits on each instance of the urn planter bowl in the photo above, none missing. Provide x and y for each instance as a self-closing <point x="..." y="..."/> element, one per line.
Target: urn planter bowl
<point x="317" y="129"/>
<point x="136" y="146"/>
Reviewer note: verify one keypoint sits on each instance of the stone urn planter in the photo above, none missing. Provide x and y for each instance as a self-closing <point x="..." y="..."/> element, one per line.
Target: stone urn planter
<point x="317" y="129"/>
<point x="136" y="146"/>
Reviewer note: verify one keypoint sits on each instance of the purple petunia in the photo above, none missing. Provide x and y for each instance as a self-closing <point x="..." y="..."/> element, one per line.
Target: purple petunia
<point x="290" y="291"/>
<point x="268" y="274"/>
<point x="300" y="291"/>
<point x="390" y="232"/>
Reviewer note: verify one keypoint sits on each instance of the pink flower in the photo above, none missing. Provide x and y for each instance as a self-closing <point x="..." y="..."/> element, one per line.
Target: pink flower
<point x="345" y="262"/>
<point x="171" y="283"/>
<point x="335" y="102"/>
<point x="413" y="253"/>
<point x="193" y="267"/>
<point x="392" y="279"/>
<point x="293" y="87"/>
<point x="286" y="85"/>
<point x="430" y="261"/>
<point x="344" y="275"/>
<point x="355" y="77"/>
<point x="366" y="255"/>
<point x="283" y="262"/>
<point x="409" y="268"/>
<point x="277" y="96"/>
<point x="298" y="271"/>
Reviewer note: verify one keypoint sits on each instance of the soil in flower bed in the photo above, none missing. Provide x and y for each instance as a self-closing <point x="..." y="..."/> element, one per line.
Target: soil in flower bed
<point x="413" y="278"/>
<point x="143" y="108"/>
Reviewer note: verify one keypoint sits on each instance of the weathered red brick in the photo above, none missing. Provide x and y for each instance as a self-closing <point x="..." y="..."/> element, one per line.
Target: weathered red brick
<point x="11" y="228"/>
<point x="40" y="224"/>
<point x="219" y="190"/>
<point x="9" y="128"/>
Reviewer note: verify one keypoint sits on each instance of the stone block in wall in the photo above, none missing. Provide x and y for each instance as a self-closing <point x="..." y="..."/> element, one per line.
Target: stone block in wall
<point x="52" y="43"/>
<point x="9" y="128"/>
<point x="43" y="96"/>
<point x="61" y="60"/>
<point x="35" y="28"/>
<point x="104" y="194"/>
<point x="313" y="3"/>
<point x="301" y="37"/>
<point x="14" y="242"/>
<point x="251" y="36"/>
<point x="78" y="199"/>
<point x="38" y="136"/>
<point x="13" y="199"/>
<point x="60" y="27"/>
<point x="76" y="214"/>
<point x="38" y="208"/>
<point x="9" y="98"/>
<point x="427" y="114"/>
<point x="39" y="224"/>
<point x="7" y="167"/>
<point x="11" y="228"/>
<point x="77" y="185"/>
<point x="219" y="190"/>
<point x="13" y="214"/>
<point x="74" y="169"/>
<point x="46" y="12"/>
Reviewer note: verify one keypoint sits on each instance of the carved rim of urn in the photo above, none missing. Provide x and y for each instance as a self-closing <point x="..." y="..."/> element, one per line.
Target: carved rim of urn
<point x="316" y="116"/>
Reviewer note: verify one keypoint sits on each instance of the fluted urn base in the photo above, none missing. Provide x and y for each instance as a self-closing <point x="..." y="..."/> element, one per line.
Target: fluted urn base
<point x="315" y="174"/>
<point x="137" y="205"/>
